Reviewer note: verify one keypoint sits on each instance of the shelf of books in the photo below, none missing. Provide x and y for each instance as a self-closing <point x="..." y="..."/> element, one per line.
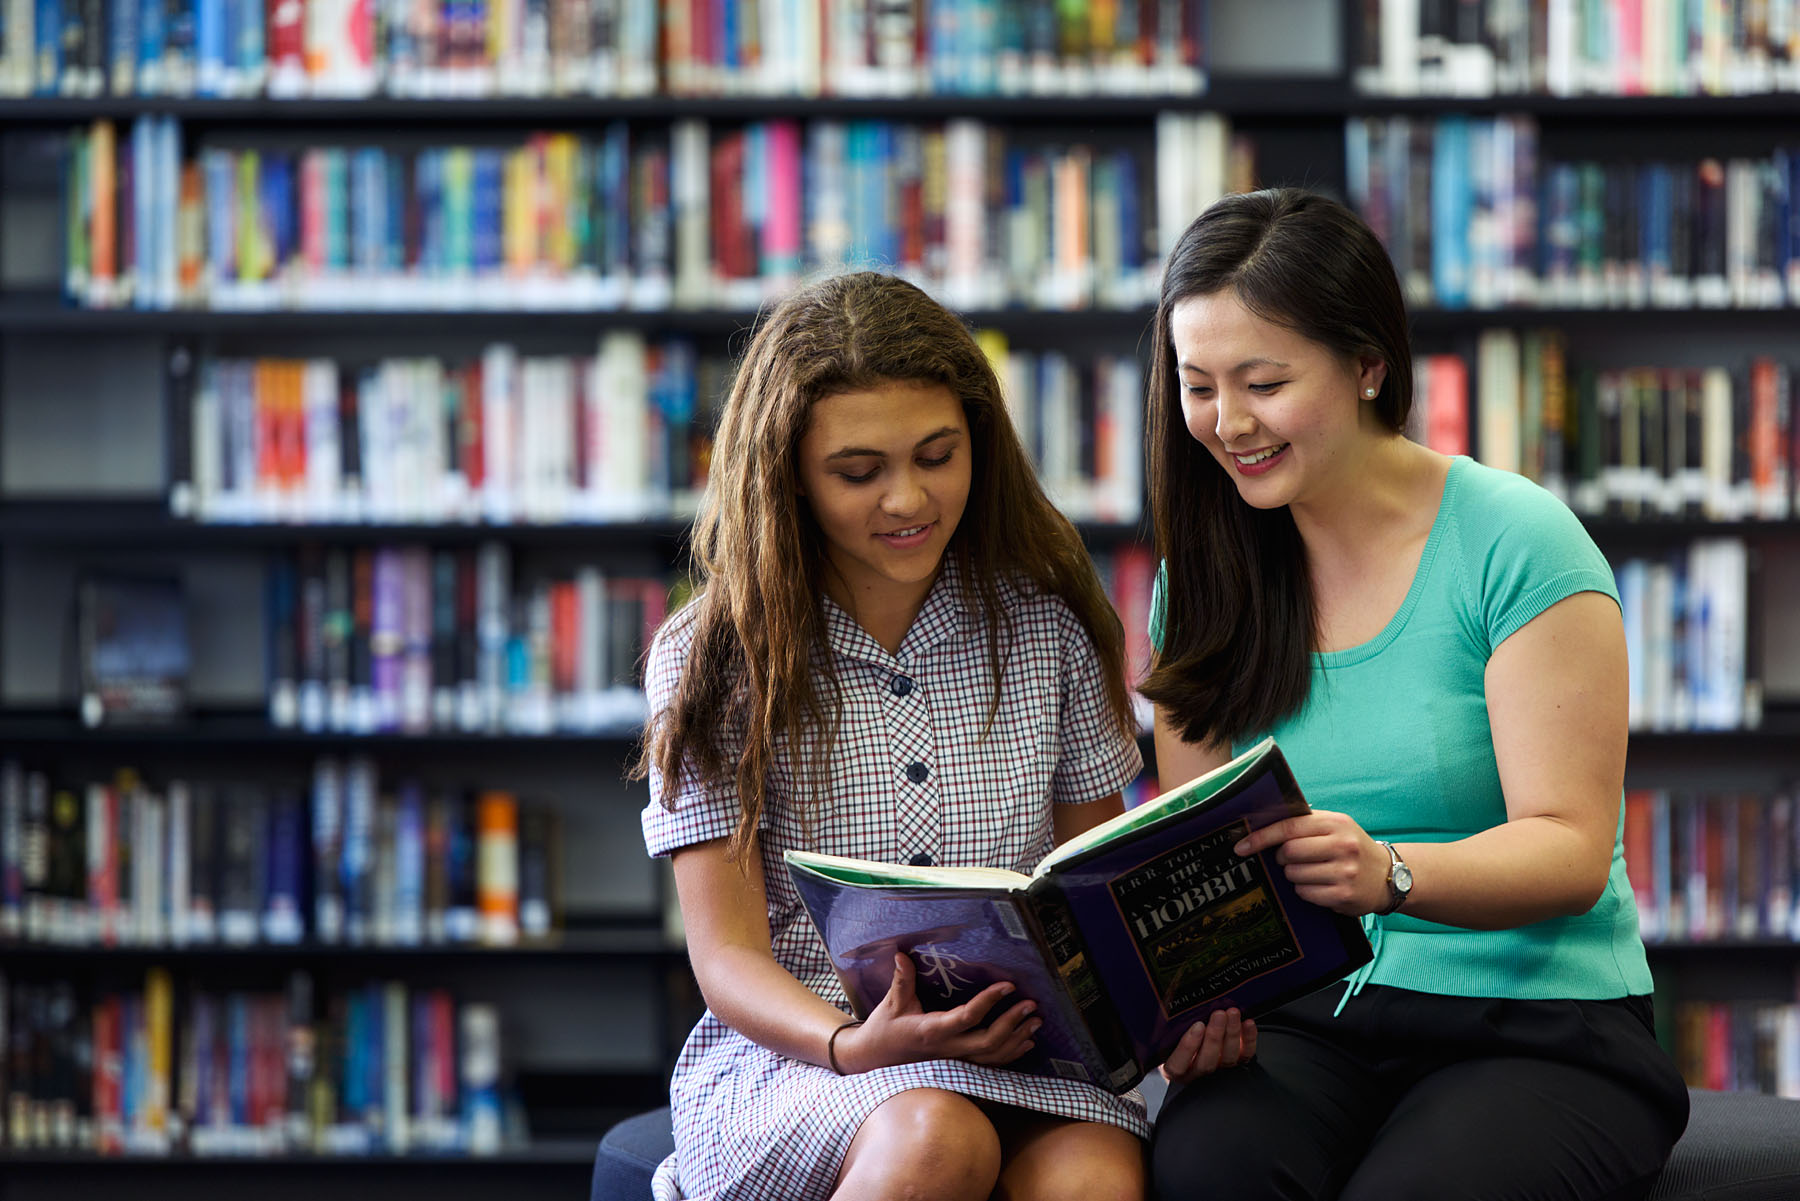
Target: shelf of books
<point x="434" y="308"/>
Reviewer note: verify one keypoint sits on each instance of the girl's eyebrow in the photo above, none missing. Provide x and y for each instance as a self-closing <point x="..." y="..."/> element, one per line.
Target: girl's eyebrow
<point x="1246" y="365"/>
<point x="857" y="452"/>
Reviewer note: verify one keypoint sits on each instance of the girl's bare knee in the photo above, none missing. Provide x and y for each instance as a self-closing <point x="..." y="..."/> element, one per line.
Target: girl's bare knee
<point x="922" y="1143"/>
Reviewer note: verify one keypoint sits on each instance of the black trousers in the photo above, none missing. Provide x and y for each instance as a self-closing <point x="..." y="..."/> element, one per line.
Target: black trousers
<point x="1411" y="1096"/>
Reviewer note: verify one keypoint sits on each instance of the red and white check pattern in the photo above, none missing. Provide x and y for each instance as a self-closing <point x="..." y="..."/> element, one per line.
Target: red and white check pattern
<point x="753" y="1124"/>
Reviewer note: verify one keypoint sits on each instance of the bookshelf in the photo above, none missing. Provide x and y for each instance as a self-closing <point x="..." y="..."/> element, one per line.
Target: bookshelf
<point x="69" y="498"/>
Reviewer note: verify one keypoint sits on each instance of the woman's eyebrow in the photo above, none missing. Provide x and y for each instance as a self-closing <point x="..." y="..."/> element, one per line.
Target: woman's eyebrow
<point x="1246" y="365"/>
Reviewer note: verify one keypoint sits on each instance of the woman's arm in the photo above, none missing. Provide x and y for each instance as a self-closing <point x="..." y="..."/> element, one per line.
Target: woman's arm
<point x="725" y="911"/>
<point x="1556" y="706"/>
<point x="1066" y="821"/>
<point x="1177" y="761"/>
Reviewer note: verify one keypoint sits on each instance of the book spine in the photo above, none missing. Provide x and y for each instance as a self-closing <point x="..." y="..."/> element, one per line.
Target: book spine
<point x="1114" y="1064"/>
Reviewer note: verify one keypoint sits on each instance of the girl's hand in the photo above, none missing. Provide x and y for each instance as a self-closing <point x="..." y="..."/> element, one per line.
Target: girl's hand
<point x="1223" y="1040"/>
<point x="900" y="1031"/>
<point x="1330" y="860"/>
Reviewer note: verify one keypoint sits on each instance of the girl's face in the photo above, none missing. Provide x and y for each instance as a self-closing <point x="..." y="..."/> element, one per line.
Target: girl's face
<point x="886" y="471"/>
<point x="1284" y="416"/>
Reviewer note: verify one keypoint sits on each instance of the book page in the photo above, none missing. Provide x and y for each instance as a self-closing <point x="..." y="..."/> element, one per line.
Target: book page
<point x="1197" y="791"/>
<point x="870" y="874"/>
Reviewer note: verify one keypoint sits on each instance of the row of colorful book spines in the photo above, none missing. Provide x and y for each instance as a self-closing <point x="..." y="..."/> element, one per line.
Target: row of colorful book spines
<point x="1621" y="48"/>
<point x="459" y="48"/>
<point x="1687" y="636"/>
<point x="1712" y="867"/>
<point x="1669" y="442"/>
<point x="299" y="440"/>
<point x="535" y="438"/>
<point x="556" y="206"/>
<point x="381" y="1068"/>
<point x="1553" y="232"/>
<point x="124" y="865"/>
<point x="1738" y="1046"/>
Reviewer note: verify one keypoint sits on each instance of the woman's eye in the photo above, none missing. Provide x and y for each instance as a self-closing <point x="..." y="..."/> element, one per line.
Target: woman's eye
<point x="1267" y="387"/>
<point x="864" y="478"/>
<point x="939" y="461"/>
<point x="1199" y="391"/>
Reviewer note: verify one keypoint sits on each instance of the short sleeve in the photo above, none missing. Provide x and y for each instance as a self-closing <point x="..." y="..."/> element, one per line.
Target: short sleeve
<point x="1098" y="758"/>
<point x="1530" y="552"/>
<point x="695" y="812"/>
<point x="1159" y="605"/>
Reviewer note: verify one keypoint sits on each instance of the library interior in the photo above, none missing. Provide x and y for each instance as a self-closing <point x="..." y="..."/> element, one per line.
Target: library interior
<point x="358" y="371"/>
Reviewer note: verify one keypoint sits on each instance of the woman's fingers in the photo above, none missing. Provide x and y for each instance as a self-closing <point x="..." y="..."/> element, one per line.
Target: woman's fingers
<point x="1225" y="1039"/>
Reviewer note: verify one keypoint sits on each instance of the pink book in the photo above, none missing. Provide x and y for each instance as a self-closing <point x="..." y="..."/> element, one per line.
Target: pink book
<point x="781" y="235"/>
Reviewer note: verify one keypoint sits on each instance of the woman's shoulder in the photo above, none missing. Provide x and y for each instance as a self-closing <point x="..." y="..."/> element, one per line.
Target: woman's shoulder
<point x="1490" y="506"/>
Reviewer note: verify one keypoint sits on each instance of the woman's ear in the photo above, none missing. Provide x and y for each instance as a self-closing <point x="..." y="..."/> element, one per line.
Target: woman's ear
<point x="1371" y="375"/>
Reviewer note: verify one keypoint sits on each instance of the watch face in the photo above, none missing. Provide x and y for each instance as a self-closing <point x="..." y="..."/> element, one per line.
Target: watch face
<point x="1402" y="878"/>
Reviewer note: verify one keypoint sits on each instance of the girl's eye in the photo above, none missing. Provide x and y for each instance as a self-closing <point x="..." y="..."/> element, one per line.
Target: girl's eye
<point x="937" y="462"/>
<point x="1267" y="387"/>
<point x="864" y="478"/>
<point x="1199" y="390"/>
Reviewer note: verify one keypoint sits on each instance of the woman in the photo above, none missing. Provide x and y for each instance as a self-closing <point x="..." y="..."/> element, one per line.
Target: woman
<point x="1438" y="649"/>
<point x="901" y="652"/>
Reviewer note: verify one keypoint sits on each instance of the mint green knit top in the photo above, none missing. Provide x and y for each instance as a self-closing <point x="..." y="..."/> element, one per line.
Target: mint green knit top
<point x="1395" y="733"/>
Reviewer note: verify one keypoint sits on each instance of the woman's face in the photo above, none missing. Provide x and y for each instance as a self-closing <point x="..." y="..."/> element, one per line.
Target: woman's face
<point x="886" y="471"/>
<point x="1282" y="414"/>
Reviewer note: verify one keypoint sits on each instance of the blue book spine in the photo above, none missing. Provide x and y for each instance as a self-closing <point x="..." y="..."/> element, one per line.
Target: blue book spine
<point x="1131" y="237"/>
<point x="165" y="216"/>
<point x="151" y="31"/>
<point x="374" y="1058"/>
<point x="486" y="205"/>
<point x="204" y="1036"/>
<point x="48" y="45"/>
<point x="237" y="1058"/>
<point x="279" y="208"/>
<point x="327" y="847"/>
<point x="122" y="51"/>
<point x="1450" y="211"/>
<point x="369" y="186"/>
<point x="143" y="213"/>
<point x="613" y="200"/>
<point x="428" y="194"/>
<point x="210" y="43"/>
<point x="358" y="848"/>
<point x="218" y="174"/>
<point x="281" y="920"/>
<point x="409" y="865"/>
<point x="252" y="41"/>
<point x="354" y="1100"/>
<point x="394" y="248"/>
<point x="131" y="1069"/>
<point x="1654" y="226"/>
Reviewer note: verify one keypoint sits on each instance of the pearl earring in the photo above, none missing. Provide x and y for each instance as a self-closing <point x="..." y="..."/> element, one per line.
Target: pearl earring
<point x="1369" y="392"/>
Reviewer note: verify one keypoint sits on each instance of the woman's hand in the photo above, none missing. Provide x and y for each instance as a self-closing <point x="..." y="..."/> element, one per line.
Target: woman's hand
<point x="900" y="1031"/>
<point x="1330" y="860"/>
<point x="1223" y="1040"/>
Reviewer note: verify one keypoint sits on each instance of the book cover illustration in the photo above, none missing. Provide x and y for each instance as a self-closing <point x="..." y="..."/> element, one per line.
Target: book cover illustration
<point x="1125" y="936"/>
<point x="134" y="656"/>
<point x="961" y="942"/>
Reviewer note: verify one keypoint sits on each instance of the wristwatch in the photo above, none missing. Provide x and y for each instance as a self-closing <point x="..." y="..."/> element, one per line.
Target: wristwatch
<point x="1399" y="880"/>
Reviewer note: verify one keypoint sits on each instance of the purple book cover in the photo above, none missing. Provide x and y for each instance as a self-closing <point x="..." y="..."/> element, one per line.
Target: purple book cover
<point x="1125" y="939"/>
<point x="961" y="941"/>
<point x="1177" y="925"/>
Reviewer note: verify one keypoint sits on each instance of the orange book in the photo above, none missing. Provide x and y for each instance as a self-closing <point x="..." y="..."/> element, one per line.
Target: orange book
<point x="103" y="254"/>
<point x="497" y="866"/>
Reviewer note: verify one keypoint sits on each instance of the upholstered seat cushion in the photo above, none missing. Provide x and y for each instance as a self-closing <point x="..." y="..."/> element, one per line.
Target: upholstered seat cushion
<point x="1738" y="1147"/>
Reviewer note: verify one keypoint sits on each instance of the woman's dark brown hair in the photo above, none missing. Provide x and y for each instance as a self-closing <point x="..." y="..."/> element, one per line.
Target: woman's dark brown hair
<point x="1239" y="622"/>
<point x="749" y="677"/>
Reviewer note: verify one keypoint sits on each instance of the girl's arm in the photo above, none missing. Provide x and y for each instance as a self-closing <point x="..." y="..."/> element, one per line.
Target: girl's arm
<point x="1556" y="707"/>
<point x="725" y="910"/>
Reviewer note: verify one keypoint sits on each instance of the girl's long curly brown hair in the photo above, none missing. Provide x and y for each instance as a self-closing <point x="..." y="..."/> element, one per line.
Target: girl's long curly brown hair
<point x="759" y="555"/>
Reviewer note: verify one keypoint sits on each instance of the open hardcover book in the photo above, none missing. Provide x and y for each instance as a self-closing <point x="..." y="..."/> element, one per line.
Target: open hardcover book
<point x="1124" y="936"/>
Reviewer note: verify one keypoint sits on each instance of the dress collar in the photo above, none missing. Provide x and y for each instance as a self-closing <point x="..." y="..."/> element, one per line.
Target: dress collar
<point x="945" y="614"/>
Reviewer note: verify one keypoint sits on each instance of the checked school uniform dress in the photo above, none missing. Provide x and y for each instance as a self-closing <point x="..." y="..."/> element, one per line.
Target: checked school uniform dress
<point x="912" y="780"/>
